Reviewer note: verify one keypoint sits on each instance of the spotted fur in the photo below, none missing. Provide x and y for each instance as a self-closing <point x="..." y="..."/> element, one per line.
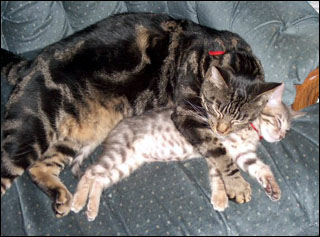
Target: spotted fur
<point x="153" y="137"/>
<point x="75" y="91"/>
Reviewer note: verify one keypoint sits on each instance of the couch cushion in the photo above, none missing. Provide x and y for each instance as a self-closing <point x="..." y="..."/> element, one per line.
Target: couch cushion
<point x="174" y="198"/>
<point x="26" y="26"/>
<point x="84" y="13"/>
<point x="286" y="41"/>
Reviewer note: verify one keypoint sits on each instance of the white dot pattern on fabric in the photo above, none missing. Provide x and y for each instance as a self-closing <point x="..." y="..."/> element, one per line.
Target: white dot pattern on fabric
<point x="173" y="199"/>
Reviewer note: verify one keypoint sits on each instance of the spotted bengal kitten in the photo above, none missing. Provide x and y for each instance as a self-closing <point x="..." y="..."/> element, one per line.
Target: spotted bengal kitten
<point x="67" y="100"/>
<point x="153" y="137"/>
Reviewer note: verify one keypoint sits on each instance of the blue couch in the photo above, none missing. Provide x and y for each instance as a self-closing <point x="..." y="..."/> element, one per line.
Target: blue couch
<point x="174" y="198"/>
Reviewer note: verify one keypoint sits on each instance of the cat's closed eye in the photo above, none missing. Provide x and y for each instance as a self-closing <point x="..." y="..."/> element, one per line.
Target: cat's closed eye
<point x="279" y="121"/>
<point x="239" y="120"/>
<point x="236" y="122"/>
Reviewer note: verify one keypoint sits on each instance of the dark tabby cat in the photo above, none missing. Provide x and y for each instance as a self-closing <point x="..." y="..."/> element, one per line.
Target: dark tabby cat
<point x="153" y="137"/>
<point x="69" y="97"/>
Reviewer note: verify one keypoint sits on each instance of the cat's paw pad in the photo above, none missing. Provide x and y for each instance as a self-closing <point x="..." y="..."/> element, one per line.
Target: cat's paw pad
<point x="271" y="187"/>
<point x="62" y="203"/>
<point x="219" y="200"/>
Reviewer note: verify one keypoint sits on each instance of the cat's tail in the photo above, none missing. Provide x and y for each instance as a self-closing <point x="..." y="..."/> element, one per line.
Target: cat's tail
<point x="11" y="63"/>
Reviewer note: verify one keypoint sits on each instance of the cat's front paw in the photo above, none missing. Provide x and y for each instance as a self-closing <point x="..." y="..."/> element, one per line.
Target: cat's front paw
<point x="238" y="189"/>
<point x="62" y="203"/>
<point x="219" y="200"/>
<point x="271" y="187"/>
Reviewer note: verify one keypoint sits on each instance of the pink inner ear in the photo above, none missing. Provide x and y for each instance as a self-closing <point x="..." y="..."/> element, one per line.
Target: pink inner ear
<point x="276" y="96"/>
<point x="296" y="114"/>
<point x="217" y="78"/>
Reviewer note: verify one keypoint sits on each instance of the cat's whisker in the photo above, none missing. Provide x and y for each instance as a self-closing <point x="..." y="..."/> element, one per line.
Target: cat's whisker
<point x="88" y="92"/>
<point x="196" y="108"/>
<point x="23" y="152"/>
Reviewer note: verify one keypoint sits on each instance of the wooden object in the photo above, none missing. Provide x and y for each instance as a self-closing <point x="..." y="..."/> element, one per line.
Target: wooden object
<point x="308" y="92"/>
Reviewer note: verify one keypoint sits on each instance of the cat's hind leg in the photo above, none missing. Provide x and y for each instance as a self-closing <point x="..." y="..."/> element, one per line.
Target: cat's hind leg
<point x="94" y="200"/>
<point x="113" y="166"/>
<point x="83" y="154"/>
<point x="90" y="187"/>
<point x="83" y="188"/>
<point x="45" y="173"/>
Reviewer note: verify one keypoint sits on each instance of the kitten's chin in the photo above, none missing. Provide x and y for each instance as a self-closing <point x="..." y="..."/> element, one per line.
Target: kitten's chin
<point x="224" y="134"/>
<point x="269" y="137"/>
<point x="271" y="140"/>
<point x="266" y="136"/>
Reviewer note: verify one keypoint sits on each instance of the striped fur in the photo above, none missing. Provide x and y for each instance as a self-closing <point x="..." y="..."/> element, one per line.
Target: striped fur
<point x="153" y="137"/>
<point x="75" y="91"/>
<point x="272" y="124"/>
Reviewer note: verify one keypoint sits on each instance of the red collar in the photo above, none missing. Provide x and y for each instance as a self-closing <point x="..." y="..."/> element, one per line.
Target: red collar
<point x="255" y="129"/>
<point x="216" y="53"/>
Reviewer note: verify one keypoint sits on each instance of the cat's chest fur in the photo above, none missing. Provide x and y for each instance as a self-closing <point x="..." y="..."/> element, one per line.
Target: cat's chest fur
<point x="154" y="137"/>
<point x="241" y="141"/>
<point x="162" y="141"/>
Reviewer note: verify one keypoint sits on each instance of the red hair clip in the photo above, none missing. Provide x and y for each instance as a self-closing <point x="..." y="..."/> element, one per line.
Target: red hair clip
<point x="216" y="53"/>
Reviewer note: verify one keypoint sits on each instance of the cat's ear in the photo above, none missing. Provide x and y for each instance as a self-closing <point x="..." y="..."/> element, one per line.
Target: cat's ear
<point x="275" y="97"/>
<point x="296" y="114"/>
<point x="266" y="89"/>
<point x="219" y="78"/>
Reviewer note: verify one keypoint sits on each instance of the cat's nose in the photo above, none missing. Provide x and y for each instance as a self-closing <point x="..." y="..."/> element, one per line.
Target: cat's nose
<point x="281" y="136"/>
<point x="222" y="128"/>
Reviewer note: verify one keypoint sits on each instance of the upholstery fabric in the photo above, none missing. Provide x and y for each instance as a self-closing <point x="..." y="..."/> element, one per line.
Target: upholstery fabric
<point x="286" y="41"/>
<point x="174" y="198"/>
